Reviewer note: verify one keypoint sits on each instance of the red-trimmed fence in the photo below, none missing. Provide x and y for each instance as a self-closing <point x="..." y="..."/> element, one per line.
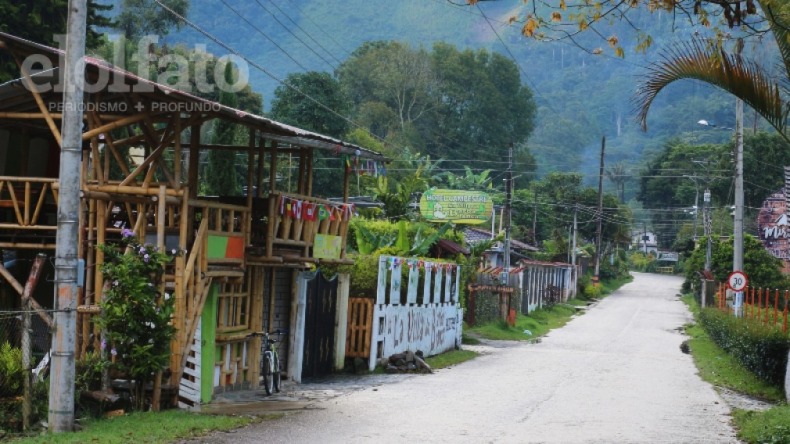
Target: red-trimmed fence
<point x="763" y="304"/>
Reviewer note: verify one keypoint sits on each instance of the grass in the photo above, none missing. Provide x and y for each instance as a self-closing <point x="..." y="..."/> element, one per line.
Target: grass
<point x="450" y="358"/>
<point x="538" y="323"/>
<point x="771" y="426"/>
<point x="148" y="427"/>
<point x="722" y="370"/>
<point x="610" y="285"/>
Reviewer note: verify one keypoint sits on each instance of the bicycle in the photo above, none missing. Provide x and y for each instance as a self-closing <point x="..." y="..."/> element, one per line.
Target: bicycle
<point x="270" y="360"/>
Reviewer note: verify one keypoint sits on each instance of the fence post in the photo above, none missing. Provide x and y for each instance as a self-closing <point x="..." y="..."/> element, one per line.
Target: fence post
<point x="27" y="401"/>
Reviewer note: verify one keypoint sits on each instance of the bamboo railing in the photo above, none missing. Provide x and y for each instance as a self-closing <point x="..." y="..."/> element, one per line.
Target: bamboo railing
<point x="289" y="232"/>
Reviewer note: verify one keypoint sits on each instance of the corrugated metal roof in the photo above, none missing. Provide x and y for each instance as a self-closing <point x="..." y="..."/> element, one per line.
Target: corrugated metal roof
<point x="272" y="129"/>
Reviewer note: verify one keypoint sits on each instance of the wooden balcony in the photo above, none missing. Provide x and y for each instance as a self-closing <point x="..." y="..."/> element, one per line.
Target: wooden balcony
<point x="288" y="225"/>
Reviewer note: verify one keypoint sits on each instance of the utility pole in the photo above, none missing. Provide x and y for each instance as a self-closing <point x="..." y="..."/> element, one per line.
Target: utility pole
<point x="737" y="260"/>
<point x="61" y="388"/>
<point x="598" y="230"/>
<point x="535" y="219"/>
<point x="708" y="228"/>
<point x="573" y="249"/>
<point x="508" y="198"/>
<point x="737" y="257"/>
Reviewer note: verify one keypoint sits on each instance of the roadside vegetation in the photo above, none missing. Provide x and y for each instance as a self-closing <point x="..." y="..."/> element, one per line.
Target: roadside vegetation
<point x="723" y="369"/>
<point x="543" y="320"/>
<point x="145" y="427"/>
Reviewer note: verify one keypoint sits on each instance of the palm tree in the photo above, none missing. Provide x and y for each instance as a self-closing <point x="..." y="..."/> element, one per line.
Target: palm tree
<point x="743" y="78"/>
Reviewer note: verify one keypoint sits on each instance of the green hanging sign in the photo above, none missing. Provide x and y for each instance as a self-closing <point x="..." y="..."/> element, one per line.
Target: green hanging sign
<point x="457" y="206"/>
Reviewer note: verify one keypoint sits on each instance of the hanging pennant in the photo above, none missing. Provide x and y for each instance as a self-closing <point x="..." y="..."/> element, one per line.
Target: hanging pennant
<point x="297" y="209"/>
<point x="323" y="212"/>
<point x="310" y="212"/>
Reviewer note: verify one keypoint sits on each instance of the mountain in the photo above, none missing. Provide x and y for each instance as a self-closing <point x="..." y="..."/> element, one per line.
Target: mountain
<point x="582" y="97"/>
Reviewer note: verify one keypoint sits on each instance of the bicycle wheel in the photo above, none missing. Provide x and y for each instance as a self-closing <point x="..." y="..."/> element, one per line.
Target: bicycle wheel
<point x="277" y="374"/>
<point x="268" y="377"/>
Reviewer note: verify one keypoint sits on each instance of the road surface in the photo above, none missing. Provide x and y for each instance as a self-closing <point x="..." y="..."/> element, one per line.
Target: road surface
<point x="613" y="375"/>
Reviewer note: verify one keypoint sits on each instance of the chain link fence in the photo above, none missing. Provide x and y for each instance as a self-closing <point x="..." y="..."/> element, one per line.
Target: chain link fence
<point x="25" y="341"/>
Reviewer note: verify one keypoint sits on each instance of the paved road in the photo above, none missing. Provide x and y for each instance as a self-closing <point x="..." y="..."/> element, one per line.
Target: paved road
<point x="612" y="375"/>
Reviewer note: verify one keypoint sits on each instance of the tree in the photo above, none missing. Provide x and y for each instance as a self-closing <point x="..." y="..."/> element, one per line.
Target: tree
<point x="677" y="175"/>
<point x="763" y="269"/>
<point x="451" y="104"/>
<point x="315" y="101"/>
<point x="144" y="17"/>
<point x="221" y="177"/>
<point x="484" y="107"/>
<point x="550" y="21"/>
<point x="553" y="200"/>
<point x="392" y="74"/>
<point x="41" y="20"/>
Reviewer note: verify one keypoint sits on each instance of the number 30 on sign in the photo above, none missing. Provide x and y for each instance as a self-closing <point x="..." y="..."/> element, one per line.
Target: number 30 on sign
<point x="737" y="281"/>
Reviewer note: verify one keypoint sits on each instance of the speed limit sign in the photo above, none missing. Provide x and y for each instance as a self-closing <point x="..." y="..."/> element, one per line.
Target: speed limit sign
<point x="737" y="281"/>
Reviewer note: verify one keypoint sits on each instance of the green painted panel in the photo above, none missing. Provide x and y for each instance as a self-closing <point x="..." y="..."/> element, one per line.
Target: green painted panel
<point x="208" y="328"/>
<point x="217" y="246"/>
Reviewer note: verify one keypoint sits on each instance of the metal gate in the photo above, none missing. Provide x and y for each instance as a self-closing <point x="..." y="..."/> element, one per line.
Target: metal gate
<point x="319" y="337"/>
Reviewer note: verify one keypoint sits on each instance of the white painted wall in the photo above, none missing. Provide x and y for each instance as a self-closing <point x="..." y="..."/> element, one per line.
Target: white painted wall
<point x="432" y="327"/>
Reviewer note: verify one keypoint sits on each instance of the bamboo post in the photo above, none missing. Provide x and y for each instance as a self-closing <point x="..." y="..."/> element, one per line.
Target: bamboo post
<point x="272" y="298"/>
<point x="310" y="172"/>
<point x="160" y="244"/>
<point x="177" y="152"/>
<point x="346" y="180"/>
<point x="27" y="325"/>
<point x="273" y="167"/>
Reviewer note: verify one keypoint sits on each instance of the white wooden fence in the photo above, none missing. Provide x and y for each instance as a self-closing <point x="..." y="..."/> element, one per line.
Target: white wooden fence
<point x="400" y="324"/>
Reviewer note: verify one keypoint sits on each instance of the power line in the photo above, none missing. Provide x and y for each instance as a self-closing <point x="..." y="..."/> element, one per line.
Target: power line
<point x="296" y="36"/>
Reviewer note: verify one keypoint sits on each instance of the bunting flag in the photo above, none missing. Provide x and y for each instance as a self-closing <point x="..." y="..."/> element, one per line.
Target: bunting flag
<point x="323" y="212"/>
<point x="296" y="209"/>
<point x="310" y="211"/>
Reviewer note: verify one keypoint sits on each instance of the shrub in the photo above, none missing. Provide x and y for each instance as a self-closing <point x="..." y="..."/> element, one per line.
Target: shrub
<point x="136" y="313"/>
<point x="11" y="372"/>
<point x="760" y="348"/>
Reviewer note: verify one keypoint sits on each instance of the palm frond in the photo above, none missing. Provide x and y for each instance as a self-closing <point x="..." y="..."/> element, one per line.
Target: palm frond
<point x="698" y="60"/>
<point x="778" y="21"/>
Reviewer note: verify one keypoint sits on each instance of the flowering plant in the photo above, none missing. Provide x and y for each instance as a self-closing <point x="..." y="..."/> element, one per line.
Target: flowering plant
<point x="135" y="312"/>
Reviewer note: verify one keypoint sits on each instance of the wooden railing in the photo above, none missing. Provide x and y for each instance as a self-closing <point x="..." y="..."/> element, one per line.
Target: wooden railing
<point x="24" y="200"/>
<point x="227" y="231"/>
<point x="295" y="229"/>
<point x="765" y="305"/>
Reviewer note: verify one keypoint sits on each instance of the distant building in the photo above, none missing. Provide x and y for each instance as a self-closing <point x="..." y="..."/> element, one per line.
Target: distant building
<point x="645" y="241"/>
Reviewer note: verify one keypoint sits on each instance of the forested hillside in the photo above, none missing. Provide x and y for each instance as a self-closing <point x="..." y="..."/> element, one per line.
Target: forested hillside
<point x="581" y="97"/>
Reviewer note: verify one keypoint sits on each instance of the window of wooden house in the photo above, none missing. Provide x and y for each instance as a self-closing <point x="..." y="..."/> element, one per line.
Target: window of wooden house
<point x="233" y="307"/>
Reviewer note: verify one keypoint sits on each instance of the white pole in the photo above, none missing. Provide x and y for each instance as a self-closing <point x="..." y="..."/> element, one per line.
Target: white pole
<point x="737" y="257"/>
<point x="61" y="389"/>
<point x="737" y="260"/>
